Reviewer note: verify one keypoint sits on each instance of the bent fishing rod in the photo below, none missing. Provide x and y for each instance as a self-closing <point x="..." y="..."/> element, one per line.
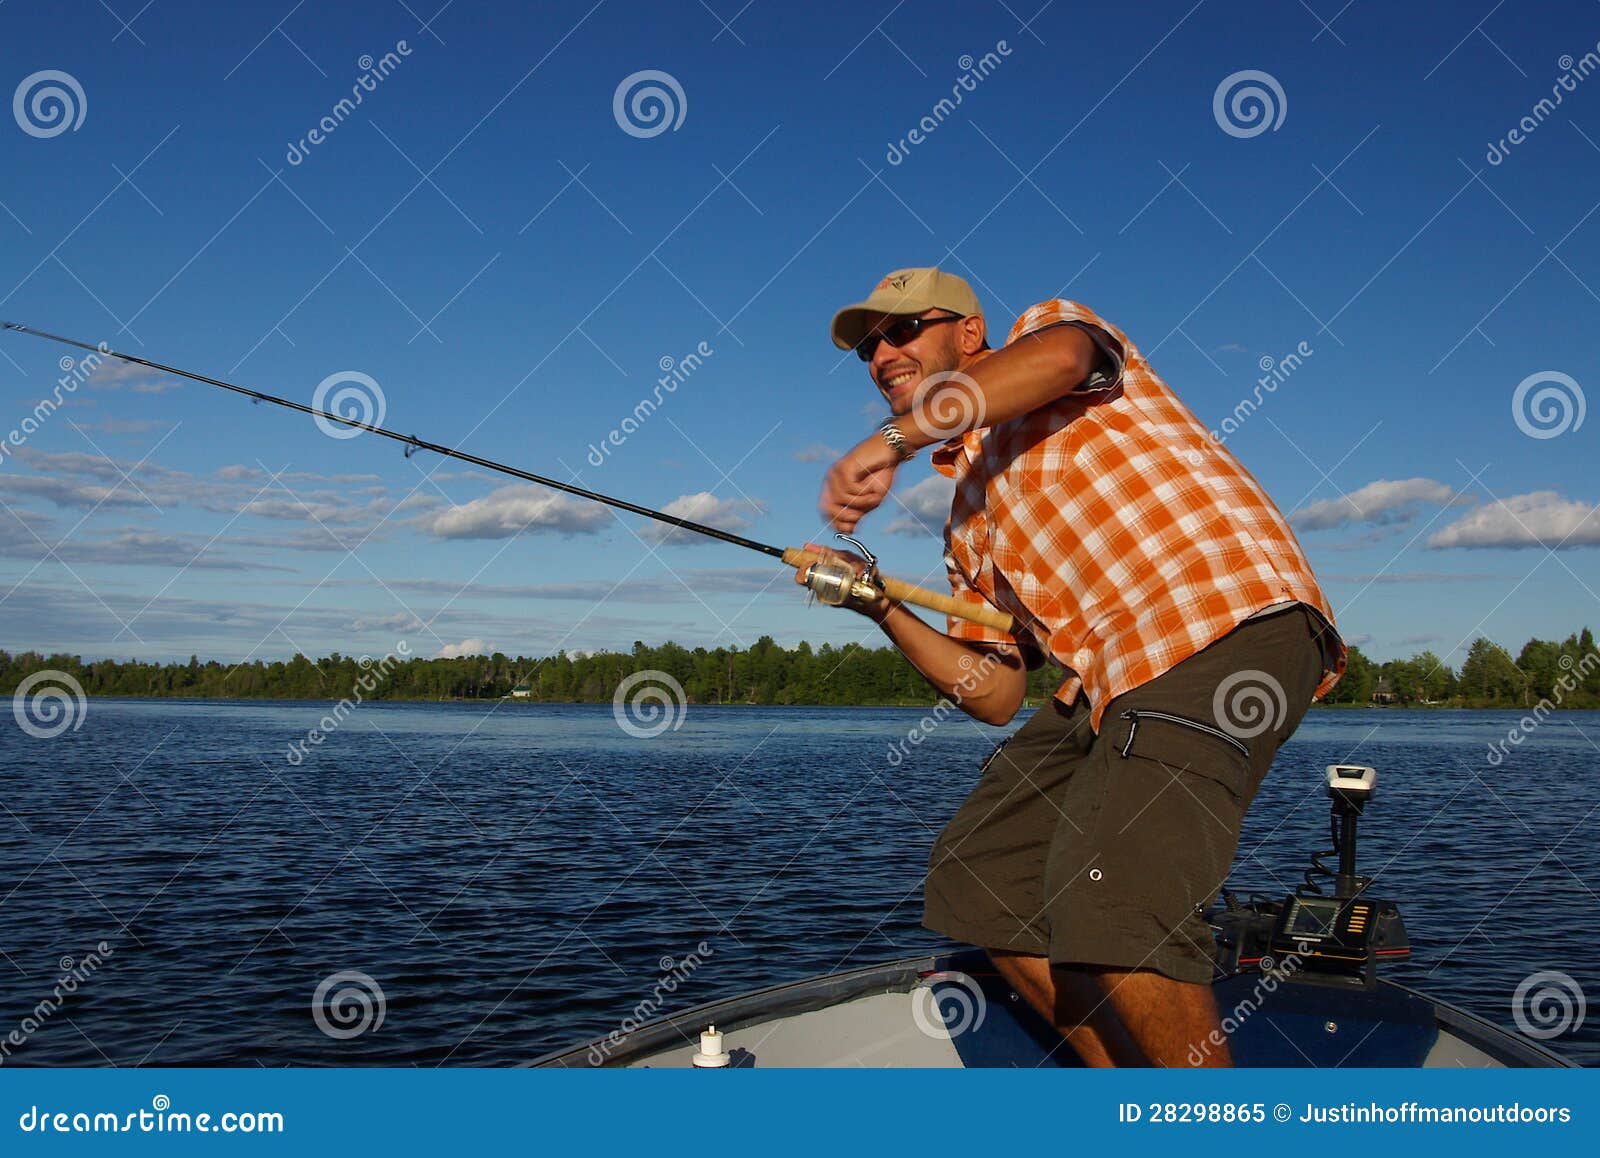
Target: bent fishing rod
<point x="834" y="582"/>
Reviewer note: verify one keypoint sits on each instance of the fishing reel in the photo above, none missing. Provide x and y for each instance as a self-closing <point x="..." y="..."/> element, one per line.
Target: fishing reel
<point x="835" y="582"/>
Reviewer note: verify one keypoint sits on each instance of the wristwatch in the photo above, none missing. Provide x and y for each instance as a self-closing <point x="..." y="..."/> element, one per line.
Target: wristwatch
<point x="897" y="441"/>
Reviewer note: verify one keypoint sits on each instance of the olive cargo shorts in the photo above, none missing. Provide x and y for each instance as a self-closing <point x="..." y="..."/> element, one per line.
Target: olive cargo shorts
<point x="1104" y="849"/>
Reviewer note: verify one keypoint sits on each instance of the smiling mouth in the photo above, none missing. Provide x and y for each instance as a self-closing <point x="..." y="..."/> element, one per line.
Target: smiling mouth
<point x="896" y="381"/>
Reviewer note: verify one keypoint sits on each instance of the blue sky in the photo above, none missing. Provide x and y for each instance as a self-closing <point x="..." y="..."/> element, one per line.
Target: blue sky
<point x="485" y="241"/>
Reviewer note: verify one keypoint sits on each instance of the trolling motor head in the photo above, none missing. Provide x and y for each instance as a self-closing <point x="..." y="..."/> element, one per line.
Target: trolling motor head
<point x="835" y="582"/>
<point x="1350" y="786"/>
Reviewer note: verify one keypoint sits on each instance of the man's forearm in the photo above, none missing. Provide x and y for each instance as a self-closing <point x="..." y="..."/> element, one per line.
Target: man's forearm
<point x="982" y="680"/>
<point x="1004" y="385"/>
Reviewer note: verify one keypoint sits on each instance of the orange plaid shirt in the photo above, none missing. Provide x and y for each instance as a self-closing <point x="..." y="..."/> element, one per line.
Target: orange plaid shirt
<point x="1117" y="532"/>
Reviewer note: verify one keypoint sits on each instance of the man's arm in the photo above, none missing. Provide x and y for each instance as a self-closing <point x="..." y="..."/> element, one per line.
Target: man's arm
<point x="1031" y="372"/>
<point x="1015" y="380"/>
<point x="985" y="680"/>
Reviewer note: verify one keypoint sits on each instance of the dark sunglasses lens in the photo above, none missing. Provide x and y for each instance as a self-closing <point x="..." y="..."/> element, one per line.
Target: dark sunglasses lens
<point x="897" y="332"/>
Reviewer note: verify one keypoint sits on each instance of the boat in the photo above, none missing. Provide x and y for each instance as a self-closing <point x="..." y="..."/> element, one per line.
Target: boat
<point x="1296" y="986"/>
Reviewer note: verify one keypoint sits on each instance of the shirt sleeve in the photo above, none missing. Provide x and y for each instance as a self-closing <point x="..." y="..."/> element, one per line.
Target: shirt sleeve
<point x="969" y="632"/>
<point x="1107" y="372"/>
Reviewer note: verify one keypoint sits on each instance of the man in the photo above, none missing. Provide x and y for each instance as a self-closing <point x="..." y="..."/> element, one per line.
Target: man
<point x="1135" y="551"/>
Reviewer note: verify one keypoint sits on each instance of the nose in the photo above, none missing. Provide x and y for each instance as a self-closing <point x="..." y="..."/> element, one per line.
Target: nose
<point x="885" y="354"/>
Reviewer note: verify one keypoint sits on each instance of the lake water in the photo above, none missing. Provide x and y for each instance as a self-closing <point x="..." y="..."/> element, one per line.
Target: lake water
<point x="515" y="879"/>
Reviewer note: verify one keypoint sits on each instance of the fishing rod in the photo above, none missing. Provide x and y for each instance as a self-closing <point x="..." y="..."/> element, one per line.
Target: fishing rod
<point x="832" y="581"/>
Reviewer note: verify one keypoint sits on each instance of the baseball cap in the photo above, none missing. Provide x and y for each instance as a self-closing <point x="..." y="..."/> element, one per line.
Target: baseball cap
<point x="905" y="291"/>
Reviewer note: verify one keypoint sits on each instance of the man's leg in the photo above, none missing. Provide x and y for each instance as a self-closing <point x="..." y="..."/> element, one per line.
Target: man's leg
<point x="1071" y="1000"/>
<point x="1151" y="824"/>
<point x="1119" y="1017"/>
<point x="1174" y="1023"/>
<point x="984" y="885"/>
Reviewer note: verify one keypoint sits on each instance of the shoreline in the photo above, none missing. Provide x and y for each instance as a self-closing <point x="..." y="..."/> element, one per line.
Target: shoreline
<point x="919" y="706"/>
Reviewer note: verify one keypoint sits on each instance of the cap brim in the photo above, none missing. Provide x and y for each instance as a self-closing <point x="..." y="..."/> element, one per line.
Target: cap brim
<point x="850" y="325"/>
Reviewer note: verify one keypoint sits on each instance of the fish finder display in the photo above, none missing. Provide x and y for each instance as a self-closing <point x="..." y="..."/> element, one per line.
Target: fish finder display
<point x="1315" y="917"/>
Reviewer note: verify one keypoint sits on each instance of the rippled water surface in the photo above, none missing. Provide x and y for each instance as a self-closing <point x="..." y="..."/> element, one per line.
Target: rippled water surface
<point x="513" y="878"/>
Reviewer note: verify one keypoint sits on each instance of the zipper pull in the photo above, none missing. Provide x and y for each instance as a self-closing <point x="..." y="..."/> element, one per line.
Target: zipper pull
<point x="1133" y="728"/>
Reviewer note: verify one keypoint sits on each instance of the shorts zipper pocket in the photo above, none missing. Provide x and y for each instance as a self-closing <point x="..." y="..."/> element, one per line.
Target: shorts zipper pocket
<point x="1134" y="715"/>
<point x="990" y="758"/>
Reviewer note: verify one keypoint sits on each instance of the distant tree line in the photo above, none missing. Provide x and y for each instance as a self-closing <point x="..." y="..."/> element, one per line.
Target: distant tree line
<point x="1567" y="673"/>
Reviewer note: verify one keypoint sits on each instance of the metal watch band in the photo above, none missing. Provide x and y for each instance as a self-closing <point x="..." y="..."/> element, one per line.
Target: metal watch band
<point x="897" y="441"/>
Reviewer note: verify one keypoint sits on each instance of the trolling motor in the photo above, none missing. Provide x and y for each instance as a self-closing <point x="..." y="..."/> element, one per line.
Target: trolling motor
<point x="835" y="582"/>
<point x="1310" y="936"/>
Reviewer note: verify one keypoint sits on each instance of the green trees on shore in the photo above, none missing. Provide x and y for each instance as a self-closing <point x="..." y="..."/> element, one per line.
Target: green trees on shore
<point x="1568" y="673"/>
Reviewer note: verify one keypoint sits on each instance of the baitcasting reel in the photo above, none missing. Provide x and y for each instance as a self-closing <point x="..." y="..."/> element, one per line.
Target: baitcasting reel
<point x="835" y="582"/>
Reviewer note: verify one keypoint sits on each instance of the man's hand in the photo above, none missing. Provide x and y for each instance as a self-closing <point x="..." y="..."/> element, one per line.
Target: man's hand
<point x="858" y="483"/>
<point x="877" y="609"/>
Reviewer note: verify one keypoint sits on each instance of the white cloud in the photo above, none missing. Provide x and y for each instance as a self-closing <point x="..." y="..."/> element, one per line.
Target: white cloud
<point x="130" y="425"/>
<point x="678" y="587"/>
<point x="924" y="507"/>
<point x="1383" y="501"/>
<point x="1413" y="577"/>
<point x="703" y="507"/>
<point x="515" y="509"/>
<point x="1538" y="519"/>
<point x="113" y="374"/>
<point x="404" y="622"/>
<point x="816" y="452"/>
<point x="465" y="647"/>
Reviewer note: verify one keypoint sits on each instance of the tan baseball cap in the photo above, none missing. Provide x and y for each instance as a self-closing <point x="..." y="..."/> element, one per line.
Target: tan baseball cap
<point x="905" y="291"/>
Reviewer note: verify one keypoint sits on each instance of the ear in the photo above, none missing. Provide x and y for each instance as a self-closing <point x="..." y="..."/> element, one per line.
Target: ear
<point x="972" y="332"/>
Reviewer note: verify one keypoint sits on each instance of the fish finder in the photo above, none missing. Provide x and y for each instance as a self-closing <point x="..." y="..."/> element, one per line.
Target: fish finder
<point x="1315" y="937"/>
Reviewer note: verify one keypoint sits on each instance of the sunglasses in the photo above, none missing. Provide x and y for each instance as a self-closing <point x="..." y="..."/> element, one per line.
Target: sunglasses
<point x="898" y="332"/>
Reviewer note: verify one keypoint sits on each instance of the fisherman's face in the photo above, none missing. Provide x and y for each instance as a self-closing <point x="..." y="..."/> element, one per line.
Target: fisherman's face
<point x="898" y="371"/>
